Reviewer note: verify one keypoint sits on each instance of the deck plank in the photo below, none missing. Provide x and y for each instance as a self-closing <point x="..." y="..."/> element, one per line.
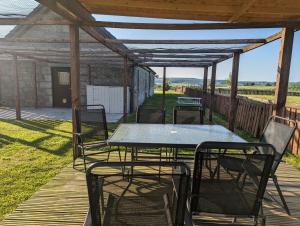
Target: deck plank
<point x="63" y="201"/>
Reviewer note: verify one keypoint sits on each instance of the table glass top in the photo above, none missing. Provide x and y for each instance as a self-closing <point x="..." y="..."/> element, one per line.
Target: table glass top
<point x="170" y="135"/>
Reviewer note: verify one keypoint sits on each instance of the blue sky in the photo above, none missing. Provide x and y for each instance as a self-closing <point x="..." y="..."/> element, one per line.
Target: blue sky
<point x="257" y="65"/>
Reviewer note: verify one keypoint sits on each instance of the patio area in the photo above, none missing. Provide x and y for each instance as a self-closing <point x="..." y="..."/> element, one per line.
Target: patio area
<point x="64" y="201"/>
<point x="47" y="114"/>
<point x="233" y="172"/>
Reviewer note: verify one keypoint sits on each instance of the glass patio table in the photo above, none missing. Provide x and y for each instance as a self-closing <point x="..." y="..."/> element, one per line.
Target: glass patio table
<point x="169" y="135"/>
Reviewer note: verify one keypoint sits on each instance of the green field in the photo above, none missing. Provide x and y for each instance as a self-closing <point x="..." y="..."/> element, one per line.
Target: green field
<point x="293" y="101"/>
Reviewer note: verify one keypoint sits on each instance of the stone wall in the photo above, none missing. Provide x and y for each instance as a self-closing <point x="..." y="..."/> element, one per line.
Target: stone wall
<point x="141" y="82"/>
<point x="101" y="74"/>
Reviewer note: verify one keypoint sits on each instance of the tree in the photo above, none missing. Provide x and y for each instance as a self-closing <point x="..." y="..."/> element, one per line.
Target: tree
<point x="229" y="79"/>
<point x="168" y="86"/>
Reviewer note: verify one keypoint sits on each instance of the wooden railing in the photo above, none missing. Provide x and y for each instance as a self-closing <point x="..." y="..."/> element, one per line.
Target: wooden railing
<point x="254" y="92"/>
<point x="251" y="116"/>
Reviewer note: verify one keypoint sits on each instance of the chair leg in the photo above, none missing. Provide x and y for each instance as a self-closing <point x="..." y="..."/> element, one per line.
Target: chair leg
<point x="125" y="156"/>
<point x="84" y="160"/>
<point x="119" y="151"/>
<point x="108" y="155"/>
<point x="285" y="206"/>
<point x="160" y="158"/>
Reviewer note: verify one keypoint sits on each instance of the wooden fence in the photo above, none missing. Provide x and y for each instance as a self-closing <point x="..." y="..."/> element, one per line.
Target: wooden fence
<point x="251" y="116"/>
<point x="254" y="92"/>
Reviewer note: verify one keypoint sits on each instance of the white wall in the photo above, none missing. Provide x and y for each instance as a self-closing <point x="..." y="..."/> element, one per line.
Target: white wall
<point x="109" y="96"/>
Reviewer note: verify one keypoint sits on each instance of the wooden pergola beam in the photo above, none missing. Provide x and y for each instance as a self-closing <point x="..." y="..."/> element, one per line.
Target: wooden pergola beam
<point x="38" y="40"/>
<point x="151" y="56"/>
<point x="25" y="21"/>
<point x="216" y="41"/>
<point x="74" y="12"/>
<point x="170" y="64"/>
<point x="59" y="60"/>
<point x="233" y="91"/>
<point x="269" y="39"/>
<point x="65" y="50"/>
<point x="246" y="5"/>
<point x="283" y="71"/>
<point x="194" y="26"/>
<point x="175" y="61"/>
<point x="55" y="55"/>
<point x="204" y="50"/>
<point x="133" y="41"/>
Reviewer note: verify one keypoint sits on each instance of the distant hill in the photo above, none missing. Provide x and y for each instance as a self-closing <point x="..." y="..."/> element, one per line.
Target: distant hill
<point x="197" y="81"/>
<point x="185" y="81"/>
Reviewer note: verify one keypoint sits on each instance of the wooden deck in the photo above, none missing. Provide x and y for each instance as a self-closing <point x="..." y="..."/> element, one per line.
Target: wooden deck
<point x="63" y="201"/>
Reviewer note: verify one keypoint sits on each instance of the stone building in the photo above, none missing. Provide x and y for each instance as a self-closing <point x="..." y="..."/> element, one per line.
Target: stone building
<point x="44" y="81"/>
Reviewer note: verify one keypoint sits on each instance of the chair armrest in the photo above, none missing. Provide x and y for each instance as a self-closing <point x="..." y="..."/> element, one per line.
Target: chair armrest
<point x="79" y="137"/>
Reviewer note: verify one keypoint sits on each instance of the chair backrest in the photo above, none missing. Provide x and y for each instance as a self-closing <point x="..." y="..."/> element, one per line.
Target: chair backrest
<point x="187" y="115"/>
<point x="148" y="198"/>
<point x="150" y="115"/>
<point x="91" y="121"/>
<point x="215" y="189"/>
<point x="278" y="132"/>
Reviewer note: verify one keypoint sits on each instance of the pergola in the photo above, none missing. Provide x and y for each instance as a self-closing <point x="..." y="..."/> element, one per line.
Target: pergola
<point x="229" y="14"/>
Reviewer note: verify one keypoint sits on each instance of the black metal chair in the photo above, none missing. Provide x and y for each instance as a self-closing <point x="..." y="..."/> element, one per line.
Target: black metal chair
<point x="92" y="132"/>
<point x="224" y="194"/>
<point x="143" y="199"/>
<point x="150" y="115"/>
<point x="278" y="132"/>
<point x="188" y="115"/>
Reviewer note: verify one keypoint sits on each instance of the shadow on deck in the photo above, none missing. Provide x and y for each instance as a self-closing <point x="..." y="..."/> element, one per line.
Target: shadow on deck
<point x="63" y="201"/>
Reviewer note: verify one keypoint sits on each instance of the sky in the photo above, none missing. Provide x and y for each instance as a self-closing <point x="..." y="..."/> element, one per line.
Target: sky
<point x="257" y="65"/>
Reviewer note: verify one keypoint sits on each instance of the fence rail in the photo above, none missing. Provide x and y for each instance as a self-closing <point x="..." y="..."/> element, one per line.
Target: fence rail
<point x="251" y="116"/>
<point x="254" y="92"/>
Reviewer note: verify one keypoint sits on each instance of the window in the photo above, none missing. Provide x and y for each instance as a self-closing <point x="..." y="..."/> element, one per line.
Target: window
<point x="64" y="78"/>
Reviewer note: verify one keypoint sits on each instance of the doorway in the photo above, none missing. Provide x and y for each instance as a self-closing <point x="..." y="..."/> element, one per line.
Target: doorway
<point x="61" y="87"/>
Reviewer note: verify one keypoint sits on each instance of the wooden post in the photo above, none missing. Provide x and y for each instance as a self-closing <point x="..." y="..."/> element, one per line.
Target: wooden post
<point x="204" y="88"/>
<point x="35" y="84"/>
<point x="75" y="80"/>
<point x="283" y="70"/>
<point x="233" y="92"/>
<point x="212" y="89"/>
<point x="164" y="88"/>
<point x="89" y="74"/>
<point x="17" y="86"/>
<point x="125" y="77"/>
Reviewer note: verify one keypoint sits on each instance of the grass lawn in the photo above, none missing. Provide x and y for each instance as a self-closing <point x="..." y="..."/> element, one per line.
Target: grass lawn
<point x="293" y="101"/>
<point x="32" y="152"/>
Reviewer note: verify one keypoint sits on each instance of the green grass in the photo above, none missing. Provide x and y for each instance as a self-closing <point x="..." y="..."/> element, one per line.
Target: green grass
<point x="291" y="100"/>
<point x="31" y="152"/>
<point x="293" y="160"/>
